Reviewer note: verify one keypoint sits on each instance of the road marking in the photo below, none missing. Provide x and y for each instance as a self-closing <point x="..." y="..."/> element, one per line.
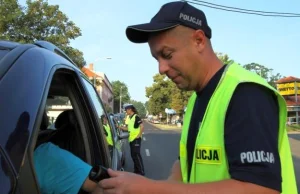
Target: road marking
<point x="144" y="138"/>
<point x="147" y="152"/>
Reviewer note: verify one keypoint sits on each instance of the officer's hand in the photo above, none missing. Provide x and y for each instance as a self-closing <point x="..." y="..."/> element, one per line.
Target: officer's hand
<point x="124" y="183"/>
<point x="175" y="172"/>
<point x="140" y="135"/>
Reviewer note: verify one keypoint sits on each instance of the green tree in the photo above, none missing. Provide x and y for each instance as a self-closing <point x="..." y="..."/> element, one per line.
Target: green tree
<point x="159" y="94"/>
<point x="120" y="89"/>
<point x="164" y="94"/>
<point x="224" y="58"/>
<point x="264" y="72"/>
<point x="139" y="107"/>
<point x="11" y="12"/>
<point x="179" y="99"/>
<point x="39" y="21"/>
<point x="147" y="106"/>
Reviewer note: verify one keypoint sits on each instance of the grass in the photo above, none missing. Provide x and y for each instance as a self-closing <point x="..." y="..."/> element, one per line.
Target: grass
<point x="291" y="128"/>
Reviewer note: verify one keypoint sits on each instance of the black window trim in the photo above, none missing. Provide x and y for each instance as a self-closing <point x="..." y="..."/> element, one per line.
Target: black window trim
<point x="10" y="168"/>
<point x="99" y="132"/>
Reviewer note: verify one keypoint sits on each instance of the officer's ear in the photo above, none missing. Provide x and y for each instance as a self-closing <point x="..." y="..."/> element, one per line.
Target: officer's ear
<point x="200" y="40"/>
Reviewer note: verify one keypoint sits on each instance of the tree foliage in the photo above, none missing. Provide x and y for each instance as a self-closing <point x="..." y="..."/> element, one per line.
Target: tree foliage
<point x="140" y="107"/>
<point x="164" y="94"/>
<point x="179" y="99"/>
<point x="159" y="94"/>
<point x="39" y="21"/>
<point x="264" y="72"/>
<point x="120" y="89"/>
<point x="224" y="58"/>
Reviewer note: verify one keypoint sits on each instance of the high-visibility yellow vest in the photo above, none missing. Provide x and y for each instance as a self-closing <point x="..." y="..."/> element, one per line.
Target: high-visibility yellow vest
<point x="109" y="136"/>
<point x="210" y="160"/>
<point x="127" y="120"/>
<point x="133" y="132"/>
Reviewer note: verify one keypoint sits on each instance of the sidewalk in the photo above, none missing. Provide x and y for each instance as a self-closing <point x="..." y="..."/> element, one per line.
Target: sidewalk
<point x="166" y="127"/>
<point x="294" y="132"/>
<point x="295" y="147"/>
<point x="175" y="127"/>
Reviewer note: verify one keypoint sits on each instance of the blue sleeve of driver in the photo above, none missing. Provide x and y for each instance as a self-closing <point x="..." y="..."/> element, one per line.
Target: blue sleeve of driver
<point x="58" y="170"/>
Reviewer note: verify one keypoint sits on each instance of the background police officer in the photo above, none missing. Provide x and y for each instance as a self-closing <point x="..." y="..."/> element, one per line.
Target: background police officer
<point x="135" y="128"/>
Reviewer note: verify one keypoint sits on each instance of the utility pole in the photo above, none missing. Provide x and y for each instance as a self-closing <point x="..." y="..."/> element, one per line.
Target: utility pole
<point x="121" y="99"/>
<point x="296" y="98"/>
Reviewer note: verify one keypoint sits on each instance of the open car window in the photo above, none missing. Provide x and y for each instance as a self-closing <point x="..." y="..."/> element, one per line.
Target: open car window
<point x="68" y="123"/>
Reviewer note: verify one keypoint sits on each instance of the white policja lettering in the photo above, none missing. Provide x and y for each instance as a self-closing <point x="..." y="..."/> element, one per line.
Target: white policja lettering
<point x="190" y="19"/>
<point x="257" y="156"/>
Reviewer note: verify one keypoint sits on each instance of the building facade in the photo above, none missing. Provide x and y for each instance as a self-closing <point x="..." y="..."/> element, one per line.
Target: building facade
<point x="102" y="85"/>
<point x="289" y="88"/>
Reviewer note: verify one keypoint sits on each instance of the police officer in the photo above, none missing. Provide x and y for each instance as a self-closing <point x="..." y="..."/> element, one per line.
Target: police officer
<point x="135" y="128"/>
<point x="126" y="120"/>
<point x="234" y="138"/>
<point x="107" y="132"/>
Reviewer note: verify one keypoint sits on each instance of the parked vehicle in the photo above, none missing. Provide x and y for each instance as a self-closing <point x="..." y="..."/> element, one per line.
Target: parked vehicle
<point x="38" y="83"/>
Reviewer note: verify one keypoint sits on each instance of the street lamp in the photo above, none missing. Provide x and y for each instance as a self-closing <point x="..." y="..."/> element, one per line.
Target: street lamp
<point x="121" y="99"/>
<point x="102" y="58"/>
<point x="98" y="59"/>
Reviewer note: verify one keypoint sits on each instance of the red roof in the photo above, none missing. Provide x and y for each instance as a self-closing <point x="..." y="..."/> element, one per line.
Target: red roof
<point x="291" y="100"/>
<point x="288" y="79"/>
<point x="89" y="72"/>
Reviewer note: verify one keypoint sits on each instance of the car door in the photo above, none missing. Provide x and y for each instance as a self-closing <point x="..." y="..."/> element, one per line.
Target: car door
<point x="65" y="88"/>
<point x="98" y="106"/>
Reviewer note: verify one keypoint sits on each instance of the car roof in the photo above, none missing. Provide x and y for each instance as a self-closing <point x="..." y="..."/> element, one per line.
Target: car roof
<point x="7" y="46"/>
<point x="10" y="52"/>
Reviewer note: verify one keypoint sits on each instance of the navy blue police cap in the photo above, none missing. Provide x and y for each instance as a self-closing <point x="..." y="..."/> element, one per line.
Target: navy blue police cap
<point x="169" y="16"/>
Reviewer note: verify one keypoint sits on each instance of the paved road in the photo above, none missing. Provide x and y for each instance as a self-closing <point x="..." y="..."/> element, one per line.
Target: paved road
<point x="160" y="149"/>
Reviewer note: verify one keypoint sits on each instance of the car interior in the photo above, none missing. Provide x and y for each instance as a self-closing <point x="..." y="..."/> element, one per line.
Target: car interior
<point x="63" y="122"/>
<point x="65" y="130"/>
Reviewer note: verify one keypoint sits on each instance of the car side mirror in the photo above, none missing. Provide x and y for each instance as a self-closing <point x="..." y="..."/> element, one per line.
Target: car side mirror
<point x="123" y="135"/>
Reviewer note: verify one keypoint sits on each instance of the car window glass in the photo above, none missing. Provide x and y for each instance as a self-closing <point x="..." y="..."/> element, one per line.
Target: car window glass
<point x="101" y="114"/>
<point x="6" y="175"/>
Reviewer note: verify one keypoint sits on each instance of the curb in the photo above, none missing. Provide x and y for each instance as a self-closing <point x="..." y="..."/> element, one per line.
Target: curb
<point x="169" y="129"/>
<point x="179" y="129"/>
<point x="293" y="132"/>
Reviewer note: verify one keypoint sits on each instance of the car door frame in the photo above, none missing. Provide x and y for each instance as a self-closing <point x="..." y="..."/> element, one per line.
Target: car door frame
<point x="27" y="177"/>
<point x="114" y="159"/>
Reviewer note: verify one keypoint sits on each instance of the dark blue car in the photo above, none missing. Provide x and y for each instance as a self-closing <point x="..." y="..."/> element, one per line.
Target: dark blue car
<point x="46" y="98"/>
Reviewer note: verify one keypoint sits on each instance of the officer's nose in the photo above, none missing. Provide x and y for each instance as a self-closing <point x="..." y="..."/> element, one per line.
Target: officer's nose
<point x="163" y="66"/>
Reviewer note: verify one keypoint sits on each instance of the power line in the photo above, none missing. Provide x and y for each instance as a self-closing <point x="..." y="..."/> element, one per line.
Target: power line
<point x="238" y="10"/>
<point x="244" y="11"/>
<point x="281" y="13"/>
